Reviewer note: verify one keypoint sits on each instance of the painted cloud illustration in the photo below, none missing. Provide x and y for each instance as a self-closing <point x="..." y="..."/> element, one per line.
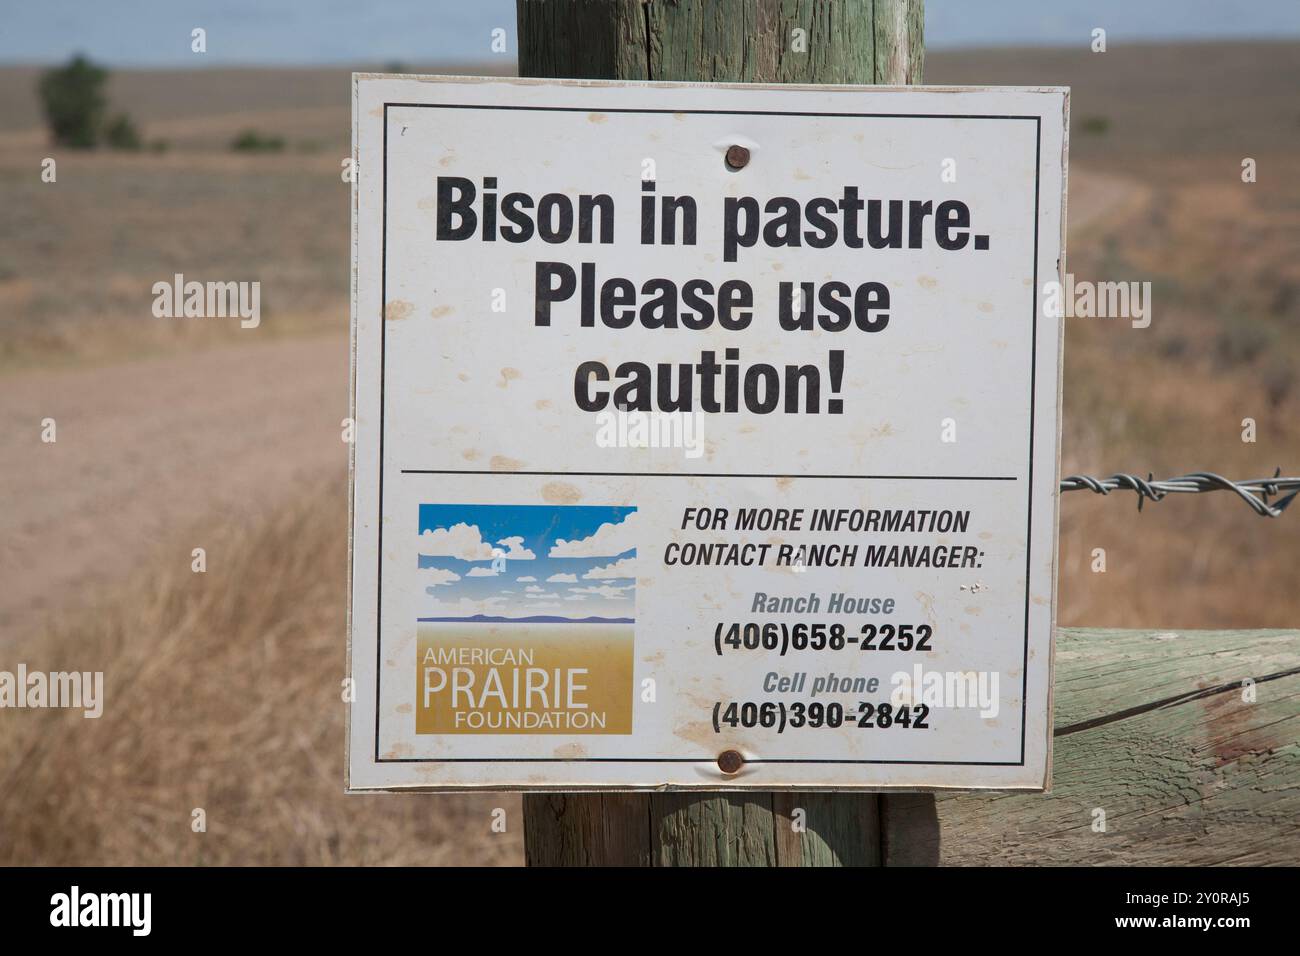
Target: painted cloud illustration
<point x="526" y="562"/>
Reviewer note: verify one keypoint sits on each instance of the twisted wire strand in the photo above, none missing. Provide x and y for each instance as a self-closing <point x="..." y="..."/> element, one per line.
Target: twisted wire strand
<point x="1255" y="491"/>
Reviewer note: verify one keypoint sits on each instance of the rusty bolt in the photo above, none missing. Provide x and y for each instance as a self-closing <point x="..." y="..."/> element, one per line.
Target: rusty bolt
<point x="737" y="157"/>
<point x="730" y="761"/>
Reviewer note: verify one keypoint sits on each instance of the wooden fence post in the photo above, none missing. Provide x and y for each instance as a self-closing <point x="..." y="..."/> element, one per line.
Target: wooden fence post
<point x="739" y="41"/>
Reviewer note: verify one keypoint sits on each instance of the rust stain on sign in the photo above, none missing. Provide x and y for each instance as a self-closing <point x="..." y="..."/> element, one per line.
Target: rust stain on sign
<point x="560" y="493"/>
<point x="397" y="310"/>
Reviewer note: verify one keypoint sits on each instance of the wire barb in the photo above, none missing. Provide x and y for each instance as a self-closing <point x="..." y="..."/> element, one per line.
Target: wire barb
<point x="1255" y="491"/>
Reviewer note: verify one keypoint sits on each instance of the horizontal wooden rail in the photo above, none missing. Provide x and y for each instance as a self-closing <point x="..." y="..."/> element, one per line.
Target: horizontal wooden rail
<point x="1163" y="755"/>
<point x="1152" y="731"/>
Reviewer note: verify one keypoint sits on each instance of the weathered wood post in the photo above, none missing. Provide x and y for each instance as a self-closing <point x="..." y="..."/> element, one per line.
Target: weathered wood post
<point x="750" y="41"/>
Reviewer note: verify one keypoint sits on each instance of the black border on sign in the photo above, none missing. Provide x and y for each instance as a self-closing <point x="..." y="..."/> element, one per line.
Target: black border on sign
<point x="706" y="758"/>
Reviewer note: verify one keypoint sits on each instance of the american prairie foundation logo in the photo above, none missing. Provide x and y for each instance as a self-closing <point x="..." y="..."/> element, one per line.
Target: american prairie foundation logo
<point x="527" y="619"/>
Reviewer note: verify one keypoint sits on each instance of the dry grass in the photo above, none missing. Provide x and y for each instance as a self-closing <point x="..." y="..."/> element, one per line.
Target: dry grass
<point x="223" y="688"/>
<point x="80" y="256"/>
<point x="1170" y="399"/>
<point x="1157" y="101"/>
<point x="222" y="691"/>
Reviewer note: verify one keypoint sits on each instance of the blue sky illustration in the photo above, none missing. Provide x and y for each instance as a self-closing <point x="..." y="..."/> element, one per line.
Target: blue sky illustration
<point x="526" y="561"/>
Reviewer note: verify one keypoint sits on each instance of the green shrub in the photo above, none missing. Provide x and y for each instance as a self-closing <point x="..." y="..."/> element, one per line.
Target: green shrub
<point x="73" y="100"/>
<point x="1243" y="339"/>
<point x="1279" y="379"/>
<point x="122" y="134"/>
<point x="251" y="141"/>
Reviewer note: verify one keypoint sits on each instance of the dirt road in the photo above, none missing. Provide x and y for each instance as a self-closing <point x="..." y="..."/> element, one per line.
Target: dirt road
<point x="147" y="449"/>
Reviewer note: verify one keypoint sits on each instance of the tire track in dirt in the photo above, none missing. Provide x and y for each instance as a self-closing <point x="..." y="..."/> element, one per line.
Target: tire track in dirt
<point x="146" y="449"/>
<point x="1095" y="198"/>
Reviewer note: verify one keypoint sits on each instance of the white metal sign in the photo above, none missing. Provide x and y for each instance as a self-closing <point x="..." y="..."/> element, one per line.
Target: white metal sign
<point x="706" y="436"/>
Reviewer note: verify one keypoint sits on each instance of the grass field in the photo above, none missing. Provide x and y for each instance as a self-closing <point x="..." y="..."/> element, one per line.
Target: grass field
<point x="227" y="684"/>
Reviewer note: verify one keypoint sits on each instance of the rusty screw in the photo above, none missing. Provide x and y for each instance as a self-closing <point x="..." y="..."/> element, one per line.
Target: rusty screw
<point x="730" y="761"/>
<point x="737" y="157"/>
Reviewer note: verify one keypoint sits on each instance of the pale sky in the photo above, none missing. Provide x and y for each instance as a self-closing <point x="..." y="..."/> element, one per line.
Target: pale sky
<point x="125" y="33"/>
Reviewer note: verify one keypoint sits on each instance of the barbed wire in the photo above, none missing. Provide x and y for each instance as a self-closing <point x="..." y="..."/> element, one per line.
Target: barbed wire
<point x="1255" y="491"/>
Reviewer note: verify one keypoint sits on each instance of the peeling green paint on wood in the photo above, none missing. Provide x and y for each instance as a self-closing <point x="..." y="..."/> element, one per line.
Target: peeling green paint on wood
<point x="1157" y="738"/>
